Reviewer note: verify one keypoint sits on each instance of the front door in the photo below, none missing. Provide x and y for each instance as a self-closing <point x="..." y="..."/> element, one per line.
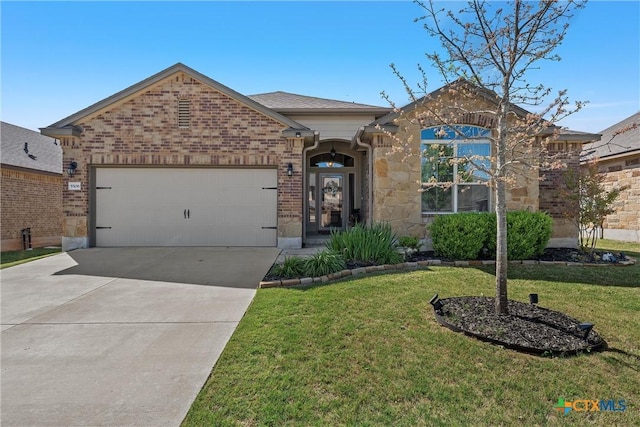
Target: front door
<point x="331" y="197"/>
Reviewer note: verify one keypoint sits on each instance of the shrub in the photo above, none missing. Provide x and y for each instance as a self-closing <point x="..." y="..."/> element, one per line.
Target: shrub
<point x="409" y="242"/>
<point x="527" y="234"/>
<point x="292" y="267"/>
<point x="460" y="236"/>
<point x="374" y="244"/>
<point x="465" y="235"/>
<point x="323" y="263"/>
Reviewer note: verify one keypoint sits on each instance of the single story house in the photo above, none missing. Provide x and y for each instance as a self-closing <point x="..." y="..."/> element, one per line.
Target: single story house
<point x="31" y="182"/>
<point x="179" y="159"/>
<point x="618" y="157"/>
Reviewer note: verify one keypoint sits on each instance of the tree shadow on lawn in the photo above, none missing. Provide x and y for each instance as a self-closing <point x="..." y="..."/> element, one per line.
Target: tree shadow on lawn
<point x="617" y="362"/>
<point x="618" y="276"/>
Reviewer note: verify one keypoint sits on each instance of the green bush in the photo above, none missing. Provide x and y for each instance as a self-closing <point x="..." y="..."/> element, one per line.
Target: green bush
<point x="466" y="236"/>
<point x="527" y="234"/>
<point x="374" y="244"/>
<point x="460" y="236"/>
<point x="409" y="242"/>
<point x="292" y="267"/>
<point x="323" y="263"/>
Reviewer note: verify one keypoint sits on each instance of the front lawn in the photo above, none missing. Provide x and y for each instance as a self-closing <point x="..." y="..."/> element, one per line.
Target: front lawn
<point x="368" y="351"/>
<point x="11" y="258"/>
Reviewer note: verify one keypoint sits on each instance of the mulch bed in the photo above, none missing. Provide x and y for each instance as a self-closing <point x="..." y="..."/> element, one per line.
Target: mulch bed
<point x="527" y="328"/>
<point x="549" y="254"/>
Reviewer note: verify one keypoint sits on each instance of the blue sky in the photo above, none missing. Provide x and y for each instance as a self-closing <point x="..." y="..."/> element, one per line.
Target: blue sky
<point x="58" y="58"/>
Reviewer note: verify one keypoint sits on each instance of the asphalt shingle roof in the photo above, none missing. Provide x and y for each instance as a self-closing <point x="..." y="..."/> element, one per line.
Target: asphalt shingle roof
<point x="621" y="138"/>
<point x="42" y="153"/>
<point x="290" y="101"/>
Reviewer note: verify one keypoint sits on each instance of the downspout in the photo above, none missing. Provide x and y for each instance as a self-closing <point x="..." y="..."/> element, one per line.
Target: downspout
<point x="368" y="147"/>
<point x="305" y="202"/>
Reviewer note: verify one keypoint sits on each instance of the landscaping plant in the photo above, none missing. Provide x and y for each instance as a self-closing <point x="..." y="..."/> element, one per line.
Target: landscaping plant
<point x="527" y="234"/>
<point x="465" y="236"/>
<point x="293" y="266"/>
<point x="460" y="236"/>
<point x="323" y="263"/>
<point x="367" y="244"/>
<point x="591" y="202"/>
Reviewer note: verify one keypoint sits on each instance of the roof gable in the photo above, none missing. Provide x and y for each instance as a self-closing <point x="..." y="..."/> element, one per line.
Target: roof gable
<point x="146" y="83"/>
<point x="25" y="148"/>
<point x="484" y="93"/>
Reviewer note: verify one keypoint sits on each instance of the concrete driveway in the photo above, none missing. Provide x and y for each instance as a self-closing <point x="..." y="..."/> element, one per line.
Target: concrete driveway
<point x="119" y="336"/>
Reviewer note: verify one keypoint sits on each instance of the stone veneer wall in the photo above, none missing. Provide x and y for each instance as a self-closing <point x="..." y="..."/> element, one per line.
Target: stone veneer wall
<point x="396" y="194"/>
<point x="142" y="130"/>
<point x="30" y="200"/>
<point x="624" y="224"/>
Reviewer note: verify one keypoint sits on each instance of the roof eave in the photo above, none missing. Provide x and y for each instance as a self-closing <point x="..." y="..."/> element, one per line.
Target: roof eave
<point x="61" y="132"/>
<point x="33" y="170"/>
<point x="298" y="133"/>
<point x="585" y="158"/>
<point x="577" y="137"/>
<point x="569" y="135"/>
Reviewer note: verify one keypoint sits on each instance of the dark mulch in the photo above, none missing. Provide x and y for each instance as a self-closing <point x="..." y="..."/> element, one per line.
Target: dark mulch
<point x="549" y="254"/>
<point x="527" y="327"/>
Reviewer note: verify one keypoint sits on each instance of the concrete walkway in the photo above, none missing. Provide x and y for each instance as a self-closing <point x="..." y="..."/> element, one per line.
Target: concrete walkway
<point x="115" y="337"/>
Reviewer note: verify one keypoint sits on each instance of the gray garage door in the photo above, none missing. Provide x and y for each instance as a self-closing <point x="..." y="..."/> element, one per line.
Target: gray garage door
<point x="185" y="207"/>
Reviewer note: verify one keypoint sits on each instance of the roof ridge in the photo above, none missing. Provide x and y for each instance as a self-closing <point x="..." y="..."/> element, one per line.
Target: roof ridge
<point x="311" y="97"/>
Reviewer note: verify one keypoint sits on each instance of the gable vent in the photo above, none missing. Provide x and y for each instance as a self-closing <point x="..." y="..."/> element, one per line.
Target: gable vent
<point x="184" y="113"/>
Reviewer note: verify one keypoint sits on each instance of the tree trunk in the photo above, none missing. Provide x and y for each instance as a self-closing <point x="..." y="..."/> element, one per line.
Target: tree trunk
<point x="501" y="210"/>
<point x="501" y="249"/>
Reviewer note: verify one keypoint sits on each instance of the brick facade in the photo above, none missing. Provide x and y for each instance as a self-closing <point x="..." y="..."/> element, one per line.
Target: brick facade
<point x="143" y="130"/>
<point x="551" y="188"/>
<point x="30" y="199"/>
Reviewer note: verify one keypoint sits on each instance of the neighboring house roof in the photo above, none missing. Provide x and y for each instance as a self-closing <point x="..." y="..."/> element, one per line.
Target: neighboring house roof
<point x="284" y="102"/>
<point x="25" y="148"/>
<point x="621" y="139"/>
<point x="67" y="123"/>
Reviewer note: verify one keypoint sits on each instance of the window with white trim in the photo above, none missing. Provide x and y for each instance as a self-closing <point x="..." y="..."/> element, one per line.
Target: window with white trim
<point x="454" y="165"/>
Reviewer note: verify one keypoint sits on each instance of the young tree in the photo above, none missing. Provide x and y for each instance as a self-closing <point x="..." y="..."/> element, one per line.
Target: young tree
<point x="488" y="49"/>
<point x="591" y="202"/>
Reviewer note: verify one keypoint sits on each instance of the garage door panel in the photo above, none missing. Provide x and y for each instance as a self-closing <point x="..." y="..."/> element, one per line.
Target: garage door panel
<point x="147" y="207"/>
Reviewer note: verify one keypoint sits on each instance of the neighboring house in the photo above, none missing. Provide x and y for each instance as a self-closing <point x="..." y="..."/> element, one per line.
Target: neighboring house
<point x="618" y="157"/>
<point x="31" y="188"/>
<point x="181" y="160"/>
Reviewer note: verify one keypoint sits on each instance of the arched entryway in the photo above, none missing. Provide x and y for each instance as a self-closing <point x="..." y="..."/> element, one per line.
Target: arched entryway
<point x="333" y="187"/>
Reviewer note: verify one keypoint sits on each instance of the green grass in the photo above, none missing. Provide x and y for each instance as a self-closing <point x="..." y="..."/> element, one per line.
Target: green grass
<point x="11" y="258"/>
<point x="368" y="351"/>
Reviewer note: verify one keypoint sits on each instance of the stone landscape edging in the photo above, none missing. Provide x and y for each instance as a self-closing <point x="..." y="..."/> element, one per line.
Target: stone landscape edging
<point x="416" y="265"/>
